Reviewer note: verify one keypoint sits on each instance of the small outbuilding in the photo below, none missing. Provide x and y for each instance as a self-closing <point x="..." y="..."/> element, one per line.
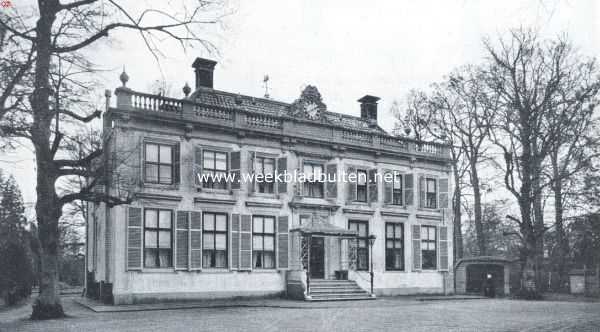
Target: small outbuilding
<point x="471" y="275"/>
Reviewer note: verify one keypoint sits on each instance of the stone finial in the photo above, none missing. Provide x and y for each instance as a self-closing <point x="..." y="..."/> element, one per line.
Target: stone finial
<point x="124" y="77"/>
<point x="186" y="89"/>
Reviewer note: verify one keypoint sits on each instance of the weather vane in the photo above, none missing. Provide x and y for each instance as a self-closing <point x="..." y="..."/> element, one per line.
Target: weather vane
<point x="266" y="85"/>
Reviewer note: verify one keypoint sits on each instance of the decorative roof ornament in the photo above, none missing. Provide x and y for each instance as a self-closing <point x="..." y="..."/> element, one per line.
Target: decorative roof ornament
<point x="186" y="90"/>
<point x="266" y="86"/>
<point x="310" y="104"/>
<point x="124" y="78"/>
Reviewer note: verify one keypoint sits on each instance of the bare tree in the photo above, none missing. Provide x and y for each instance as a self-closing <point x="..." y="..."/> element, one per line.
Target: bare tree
<point x="43" y="62"/>
<point x="530" y="78"/>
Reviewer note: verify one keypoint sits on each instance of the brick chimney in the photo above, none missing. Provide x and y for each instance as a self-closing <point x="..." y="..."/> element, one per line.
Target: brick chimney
<point x="204" y="69"/>
<point x="368" y="108"/>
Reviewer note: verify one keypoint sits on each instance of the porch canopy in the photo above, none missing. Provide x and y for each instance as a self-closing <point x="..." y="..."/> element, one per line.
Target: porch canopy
<point x="323" y="228"/>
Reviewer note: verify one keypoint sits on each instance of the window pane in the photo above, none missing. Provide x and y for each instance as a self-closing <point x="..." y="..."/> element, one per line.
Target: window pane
<point x="150" y="239"/>
<point x="209" y="222"/>
<point x="269" y="225"/>
<point x="257" y="243"/>
<point x="165" y="154"/>
<point x="268" y="167"/>
<point x="398" y="231"/>
<point x="165" y="174"/>
<point x="165" y="258"/>
<point x="269" y="260"/>
<point x="150" y="257"/>
<point x="151" y="218"/>
<point x="221" y="161"/>
<point x="269" y="243"/>
<point x="362" y="230"/>
<point x="221" y="259"/>
<point x="164" y="239"/>
<point x="432" y="233"/>
<point x="318" y="170"/>
<point x="221" y="241"/>
<point x="398" y="181"/>
<point x="208" y="241"/>
<point x="151" y="173"/>
<point x="389" y="233"/>
<point x="208" y="159"/>
<point x="424" y="233"/>
<point x="361" y="178"/>
<point x="152" y="152"/>
<point x="221" y="221"/>
<point x="258" y="225"/>
<point x="362" y="243"/>
<point x="389" y="244"/>
<point x="431" y="185"/>
<point x="164" y="220"/>
<point x="398" y="244"/>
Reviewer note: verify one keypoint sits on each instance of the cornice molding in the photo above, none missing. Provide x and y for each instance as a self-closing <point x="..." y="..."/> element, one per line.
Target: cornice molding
<point x="161" y="197"/>
<point x="225" y="201"/>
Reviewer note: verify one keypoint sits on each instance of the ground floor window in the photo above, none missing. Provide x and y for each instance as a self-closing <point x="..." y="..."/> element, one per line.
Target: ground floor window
<point x="158" y="251"/>
<point x="263" y="242"/>
<point x="362" y="249"/>
<point x="428" y="248"/>
<point x="394" y="247"/>
<point x="214" y="240"/>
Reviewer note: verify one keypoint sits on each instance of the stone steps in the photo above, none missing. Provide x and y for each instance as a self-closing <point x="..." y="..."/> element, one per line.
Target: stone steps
<point x="337" y="290"/>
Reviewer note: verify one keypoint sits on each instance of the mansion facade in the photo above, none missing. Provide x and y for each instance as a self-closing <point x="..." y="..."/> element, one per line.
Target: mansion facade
<point x="192" y="233"/>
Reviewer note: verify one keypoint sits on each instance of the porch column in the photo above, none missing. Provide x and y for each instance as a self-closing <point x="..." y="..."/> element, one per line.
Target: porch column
<point x="343" y="253"/>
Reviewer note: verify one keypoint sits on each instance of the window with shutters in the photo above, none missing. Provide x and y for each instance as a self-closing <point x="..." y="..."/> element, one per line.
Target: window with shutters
<point x="214" y="169"/>
<point x="158" y="163"/>
<point x="214" y="240"/>
<point x="394" y="247"/>
<point x="428" y="248"/>
<point x="263" y="242"/>
<point x="397" y="189"/>
<point x="265" y="167"/>
<point x="362" y="250"/>
<point x="361" y="185"/>
<point x="313" y="184"/>
<point x="430" y="193"/>
<point x="158" y="228"/>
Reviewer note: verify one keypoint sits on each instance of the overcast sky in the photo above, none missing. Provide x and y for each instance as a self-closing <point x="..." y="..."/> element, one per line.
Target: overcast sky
<point x="346" y="48"/>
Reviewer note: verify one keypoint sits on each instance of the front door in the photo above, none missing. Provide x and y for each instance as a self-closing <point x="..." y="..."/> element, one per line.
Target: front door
<point x="317" y="257"/>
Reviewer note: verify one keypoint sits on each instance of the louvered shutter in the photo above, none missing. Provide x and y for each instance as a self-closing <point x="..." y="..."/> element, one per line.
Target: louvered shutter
<point x="443" y="243"/>
<point x="134" y="239"/>
<point x="182" y="240"/>
<point x="388" y="186"/>
<point x="176" y="171"/>
<point x="281" y="170"/>
<point x="416" y="240"/>
<point x="372" y="185"/>
<point x="351" y="185"/>
<point x="235" y="170"/>
<point x="235" y="241"/>
<point x="246" y="242"/>
<point x="282" y="242"/>
<point x="422" y="196"/>
<point x="299" y="186"/>
<point x="198" y="166"/>
<point x="409" y="188"/>
<point x="331" y="184"/>
<point x="195" y="240"/>
<point x="251" y="170"/>
<point x="443" y="193"/>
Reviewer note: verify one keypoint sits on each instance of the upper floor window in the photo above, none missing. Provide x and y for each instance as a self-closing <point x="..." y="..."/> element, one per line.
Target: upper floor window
<point x="158" y="250"/>
<point x="362" y="250"/>
<point x="214" y="240"/>
<point x="428" y="248"/>
<point x="361" y="185"/>
<point x="431" y="193"/>
<point x="263" y="242"/>
<point x="214" y="165"/>
<point x="397" y="189"/>
<point x="313" y="186"/>
<point x="158" y="163"/>
<point x="266" y="167"/>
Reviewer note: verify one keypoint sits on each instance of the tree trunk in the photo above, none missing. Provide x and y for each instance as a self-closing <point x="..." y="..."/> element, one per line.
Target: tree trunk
<point x="538" y="226"/>
<point x="47" y="305"/>
<point x="458" y="239"/>
<point x="481" y="245"/>
<point x="561" y="239"/>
